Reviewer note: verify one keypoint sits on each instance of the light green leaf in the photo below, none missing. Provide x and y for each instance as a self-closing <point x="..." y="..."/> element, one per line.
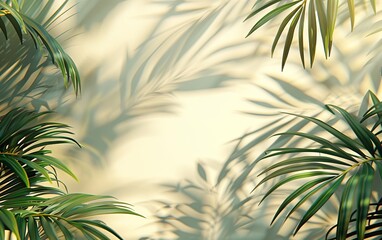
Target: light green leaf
<point x="374" y="5"/>
<point x="351" y="12"/>
<point x="289" y="38"/>
<point x="332" y="9"/>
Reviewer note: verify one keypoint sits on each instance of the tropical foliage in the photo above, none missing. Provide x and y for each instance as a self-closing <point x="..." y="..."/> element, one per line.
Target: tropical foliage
<point x="351" y="159"/>
<point x="313" y="16"/>
<point x="333" y="152"/>
<point x="35" y="204"/>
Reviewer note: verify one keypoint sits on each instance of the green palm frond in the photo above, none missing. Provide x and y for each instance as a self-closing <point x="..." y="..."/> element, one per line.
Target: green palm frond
<point x="373" y="226"/>
<point x="66" y="216"/>
<point x="69" y="216"/>
<point x="22" y="143"/>
<point x="25" y="25"/>
<point x="307" y="15"/>
<point x="31" y="209"/>
<point x="350" y="159"/>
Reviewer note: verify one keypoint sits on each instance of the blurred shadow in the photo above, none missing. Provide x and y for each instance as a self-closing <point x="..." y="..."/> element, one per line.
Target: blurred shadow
<point x="93" y="13"/>
<point x="224" y="208"/>
<point x="341" y="80"/>
<point x="187" y="57"/>
<point x="27" y="77"/>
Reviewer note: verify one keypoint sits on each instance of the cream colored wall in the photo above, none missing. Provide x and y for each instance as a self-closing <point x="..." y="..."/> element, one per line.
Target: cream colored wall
<point x="164" y="84"/>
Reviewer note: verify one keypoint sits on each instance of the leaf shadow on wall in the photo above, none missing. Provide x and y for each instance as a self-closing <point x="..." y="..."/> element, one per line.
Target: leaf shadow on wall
<point x="27" y="78"/>
<point x="222" y="207"/>
<point x="187" y="57"/>
<point x="214" y="207"/>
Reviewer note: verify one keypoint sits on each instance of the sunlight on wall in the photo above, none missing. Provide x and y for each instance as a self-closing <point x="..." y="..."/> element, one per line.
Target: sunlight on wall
<point x="165" y="85"/>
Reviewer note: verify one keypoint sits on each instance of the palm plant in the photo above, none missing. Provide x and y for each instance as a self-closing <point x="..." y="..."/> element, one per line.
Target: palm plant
<point x="327" y="157"/>
<point x="317" y="17"/>
<point x="329" y="162"/>
<point x="31" y="206"/>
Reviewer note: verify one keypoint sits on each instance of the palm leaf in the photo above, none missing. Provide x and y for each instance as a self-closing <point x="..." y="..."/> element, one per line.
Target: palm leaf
<point x="30" y="210"/>
<point x="373" y="224"/>
<point x="336" y="158"/>
<point x="325" y="16"/>
<point x="23" y="24"/>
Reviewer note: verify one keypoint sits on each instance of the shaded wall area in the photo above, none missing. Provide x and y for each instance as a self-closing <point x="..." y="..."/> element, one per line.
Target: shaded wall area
<point x="177" y="105"/>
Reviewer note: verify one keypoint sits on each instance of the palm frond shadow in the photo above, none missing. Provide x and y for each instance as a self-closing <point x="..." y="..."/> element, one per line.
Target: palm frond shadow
<point x="343" y="84"/>
<point x="187" y="57"/>
<point x="283" y="94"/>
<point x="22" y="81"/>
<point x="215" y="207"/>
<point x="96" y="11"/>
<point x="27" y="77"/>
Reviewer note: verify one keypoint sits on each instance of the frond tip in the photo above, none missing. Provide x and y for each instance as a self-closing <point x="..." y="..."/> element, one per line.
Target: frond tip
<point x="321" y="13"/>
<point x="24" y="25"/>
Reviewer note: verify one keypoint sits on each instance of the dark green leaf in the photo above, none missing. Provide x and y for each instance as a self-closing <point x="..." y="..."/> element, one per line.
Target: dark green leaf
<point x="48" y="227"/>
<point x="366" y="180"/>
<point x="319" y="202"/>
<point x="292" y="178"/>
<point x="272" y="14"/>
<point x="256" y="11"/>
<point x="15" y="166"/>
<point x="350" y="143"/>
<point x="366" y="137"/>
<point x="299" y="191"/>
<point x="346" y="206"/>
<point x="3" y="28"/>
<point x="9" y="220"/>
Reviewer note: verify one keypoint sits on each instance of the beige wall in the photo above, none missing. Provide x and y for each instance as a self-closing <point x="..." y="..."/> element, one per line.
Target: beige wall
<point x="164" y="87"/>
